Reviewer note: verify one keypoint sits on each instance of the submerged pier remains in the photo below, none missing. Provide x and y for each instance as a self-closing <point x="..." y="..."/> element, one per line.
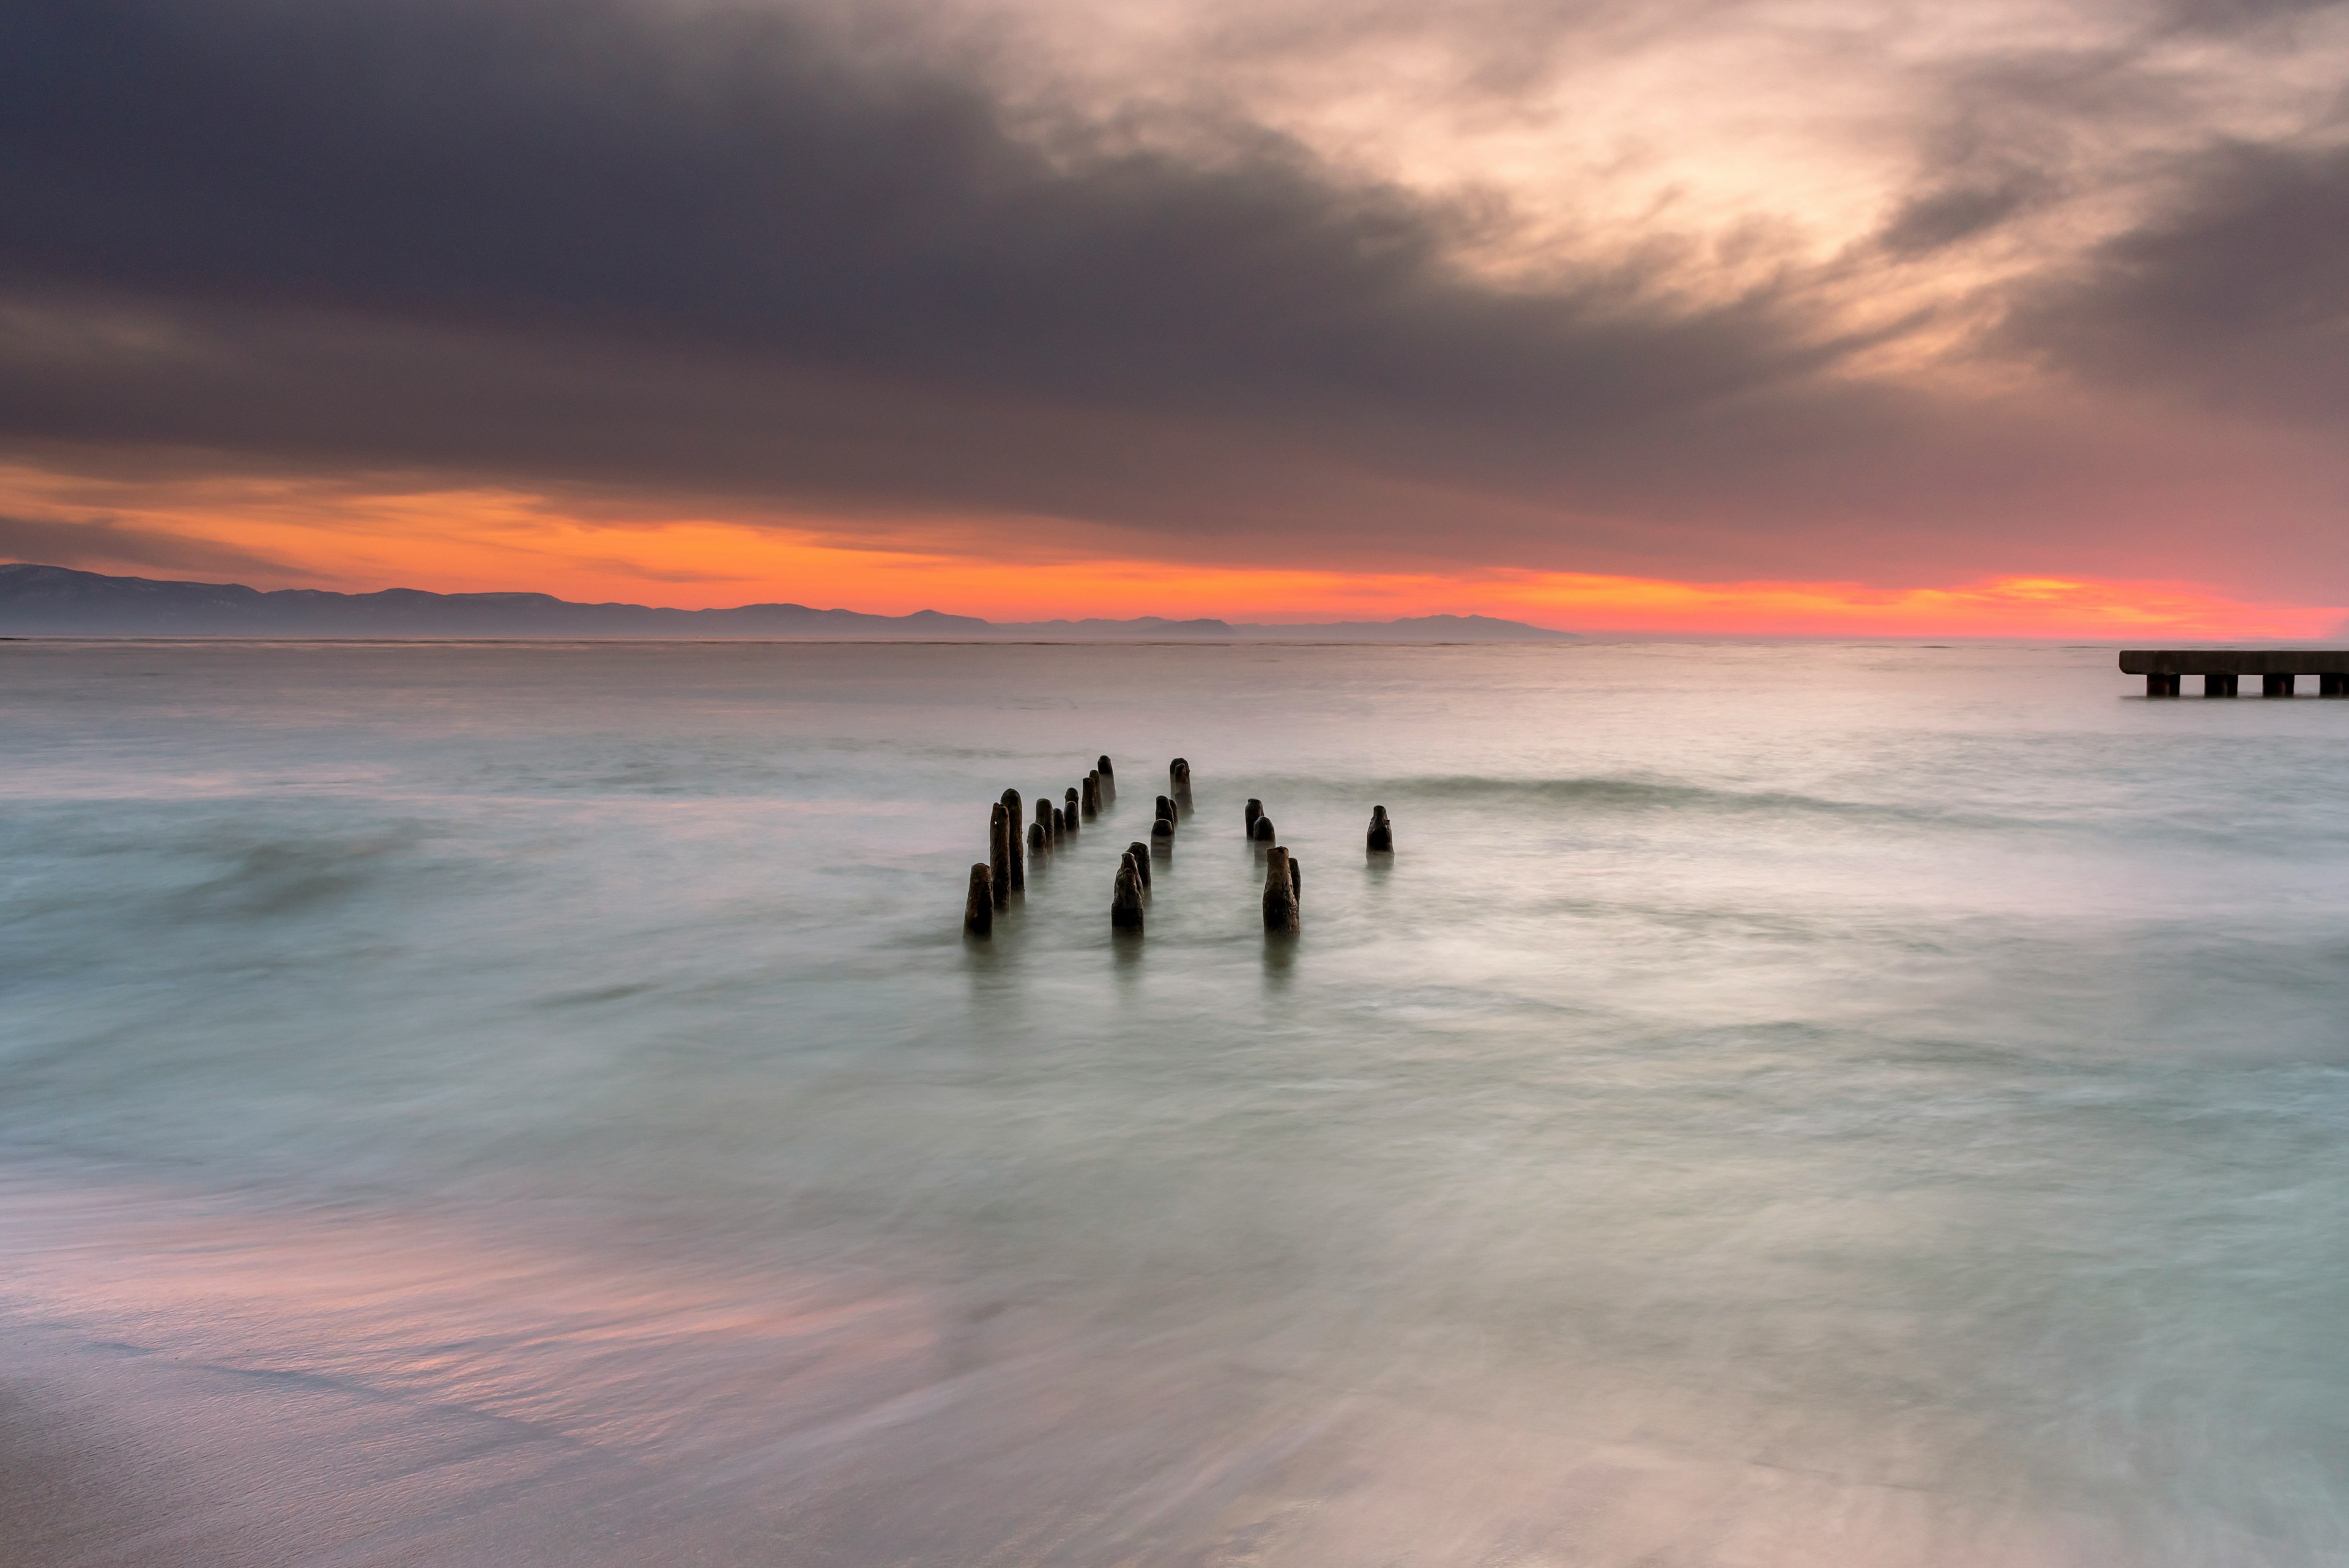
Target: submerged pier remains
<point x="1125" y="896"/>
<point x="999" y="853"/>
<point x="978" y="910"/>
<point x="1281" y="887"/>
<point x="1381" y="839"/>
<point x="2279" y="669"/>
<point x="1011" y="806"/>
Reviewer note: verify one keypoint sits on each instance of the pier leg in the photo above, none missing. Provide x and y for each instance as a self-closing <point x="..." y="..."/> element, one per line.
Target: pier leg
<point x="1125" y="897"/>
<point x="999" y="853"/>
<point x="1011" y="804"/>
<point x="2163" y="685"/>
<point x="2278" y="685"/>
<point x="978" y="910"/>
<point x="1279" y="894"/>
<point x="2333" y="686"/>
<point x="2218" y="686"/>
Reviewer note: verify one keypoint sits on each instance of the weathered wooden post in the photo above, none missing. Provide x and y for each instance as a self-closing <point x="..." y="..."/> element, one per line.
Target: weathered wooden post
<point x="999" y="852"/>
<point x="1043" y="823"/>
<point x="1092" y="795"/>
<point x="1139" y="853"/>
<point x="1178" y="772"/>
<point x="1070" y="812"/>
<point x="978" y="910"/>
<point x="1162" y="837"/>
<point x="1166" y="812"/>
<point x="1279" y="893"/>
<point x="1125" y="897"/>
<point x="1059" y="824"/>
<point x="1109" y="782"/>
<point x="1264" y="833"/>
<point x="1296" y="879"/>
<point x="1254" y="809"/>
<point x="1382" y="832"/>
<point x="1036" y="839"/>
<point x="1012" y="804"/>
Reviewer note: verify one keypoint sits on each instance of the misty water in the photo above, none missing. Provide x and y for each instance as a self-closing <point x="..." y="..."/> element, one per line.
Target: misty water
<point x="534" y="1104"/>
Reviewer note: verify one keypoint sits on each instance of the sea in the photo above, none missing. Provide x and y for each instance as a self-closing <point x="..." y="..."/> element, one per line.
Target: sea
<point x="1779" y="1104"/>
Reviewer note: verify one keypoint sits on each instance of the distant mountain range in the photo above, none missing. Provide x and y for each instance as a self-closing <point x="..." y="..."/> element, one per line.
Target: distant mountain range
<point x="57" y="601"/>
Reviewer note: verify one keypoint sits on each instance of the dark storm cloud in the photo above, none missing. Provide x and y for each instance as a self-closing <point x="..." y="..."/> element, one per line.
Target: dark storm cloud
<point x="685" y="250"/>
<point x="387" y="233"/>
<point x="726" y="180"/>
<point x="2236" y="290"/>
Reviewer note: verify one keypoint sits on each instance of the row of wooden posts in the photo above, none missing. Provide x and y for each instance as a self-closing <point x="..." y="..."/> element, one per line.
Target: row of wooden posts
<point x="1005" y="871"/>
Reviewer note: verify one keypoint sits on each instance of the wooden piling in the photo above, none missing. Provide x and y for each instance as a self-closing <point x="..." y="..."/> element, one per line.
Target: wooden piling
<point x="1012" y="804"/>
<point x="1109" y="781"/>
<point x="1043" y="822"/>
<point x="1070" y="812"/>
<point x="1125" y="897"/>
<point x="1381" y="841"/>
<point x="1280" y="915"/>
<point x="1092" y="795"/>
<point x="978" y="910"/>
<point x="1140" y="854"/>
<point x="1254" y="809"/>
<point x="1162" y="837"/>
<point x="1036" y="839"/>
<point x="999" y="852"/>
<point x="1166" y="811"/>
<point x="1178" y="775"/>
<point x="1059" y="824"/>
<point x="1297" y="879"/>
<point x="1263" y="833"/>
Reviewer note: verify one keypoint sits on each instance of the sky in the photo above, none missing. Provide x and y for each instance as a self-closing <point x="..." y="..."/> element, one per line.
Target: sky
<point x="1794" y="317"/>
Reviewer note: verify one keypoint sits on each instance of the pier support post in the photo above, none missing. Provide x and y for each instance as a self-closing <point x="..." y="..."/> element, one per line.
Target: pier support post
<point x="1162" y="837"/>
<point x="2218" y="686"/>
<point x="999" y="852"/>
<point x="2163" y="685"/>
<point x="1091" y="796"/>
<point x="1263" y="833"/>
<point x="1279" y="894"/>
<point x="1139" y="853"/>
<point x="1254" y="809"/>
<point x="978" y="910"/>
<point x="1109" y="782"/>
<point x="1070" y="812"/>
<point x="1382" y="838"/>
<point x="1125" y="897"/>
<point x="1012" y="804"/>
<point x="1043" y="823"/>
<point x="1178" y="777"/>
<point x="2278" y="685"/>
<point x="2333" y="685"/>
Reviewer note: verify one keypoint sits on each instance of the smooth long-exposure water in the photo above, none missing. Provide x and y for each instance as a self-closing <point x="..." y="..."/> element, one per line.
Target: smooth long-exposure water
<point x="1781" y="1105"/>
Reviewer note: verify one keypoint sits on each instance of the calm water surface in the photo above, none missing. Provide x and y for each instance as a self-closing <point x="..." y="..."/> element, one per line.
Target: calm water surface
<point x="1781" y="1105"/>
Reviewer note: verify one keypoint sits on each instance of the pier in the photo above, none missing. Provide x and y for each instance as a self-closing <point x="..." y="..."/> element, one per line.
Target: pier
<point x="2279" y="669"/>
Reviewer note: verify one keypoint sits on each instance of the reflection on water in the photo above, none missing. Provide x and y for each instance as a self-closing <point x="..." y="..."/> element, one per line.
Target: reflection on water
<point x="1779" y="1105"/>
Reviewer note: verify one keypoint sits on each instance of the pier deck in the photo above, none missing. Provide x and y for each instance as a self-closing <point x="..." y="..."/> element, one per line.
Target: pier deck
<point x="2279" y="669"/>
